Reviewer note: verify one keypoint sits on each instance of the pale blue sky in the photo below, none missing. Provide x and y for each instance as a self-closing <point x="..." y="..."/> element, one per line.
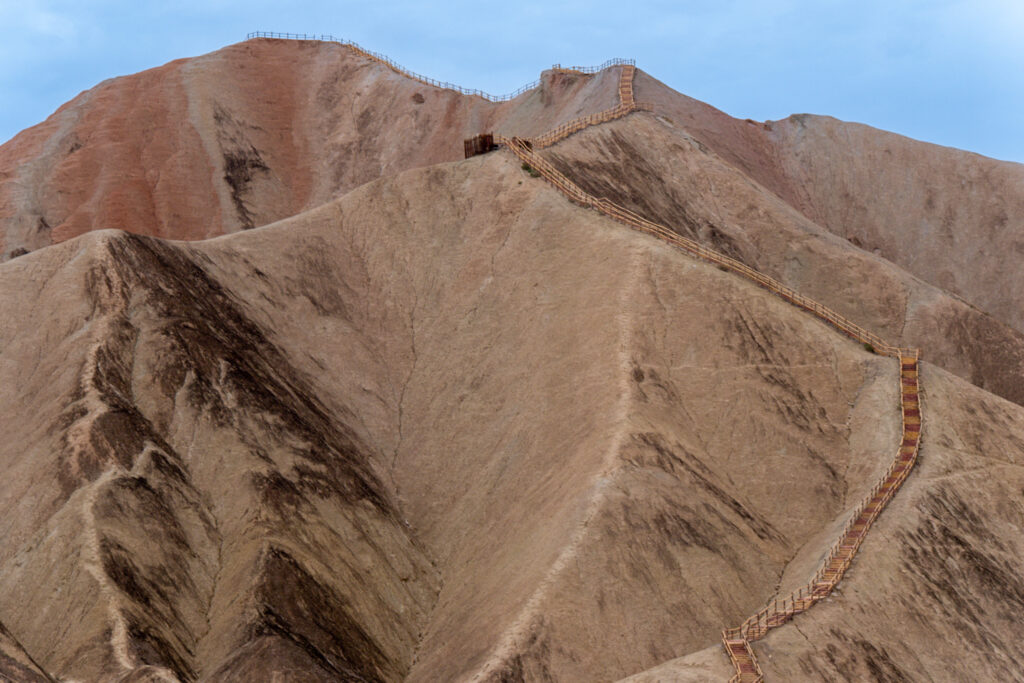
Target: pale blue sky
<point x="945" y="71"/>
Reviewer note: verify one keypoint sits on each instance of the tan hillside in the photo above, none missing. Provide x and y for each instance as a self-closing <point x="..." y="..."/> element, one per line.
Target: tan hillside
<point x="15" y="663"/>
<point x="435" y="422"/>
<point x="266" y="129"/>
<point x="935" y="594"/>
<point x="230" y="446"/>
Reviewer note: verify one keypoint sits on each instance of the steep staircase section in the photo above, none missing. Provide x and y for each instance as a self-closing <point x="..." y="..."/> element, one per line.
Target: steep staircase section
<point x="626" y="105"/>
<point x="840" y="556"/>
<point x="626" y="85"/>
<point x="744" y="661"/>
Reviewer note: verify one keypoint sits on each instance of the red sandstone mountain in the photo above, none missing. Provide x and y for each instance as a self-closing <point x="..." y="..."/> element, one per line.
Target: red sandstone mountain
<point x="435" y="422"/>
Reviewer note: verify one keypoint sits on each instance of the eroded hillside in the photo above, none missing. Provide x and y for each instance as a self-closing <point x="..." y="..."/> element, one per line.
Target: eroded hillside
<point x="935" y="592"/>
<point x="440" y="423"/>
<point x="650" y="164"/>
<point x="266" y="401"/>
<point x="951" y="218"/>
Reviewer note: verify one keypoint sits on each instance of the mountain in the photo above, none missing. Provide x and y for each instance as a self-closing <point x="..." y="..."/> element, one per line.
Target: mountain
<point x="294" y="392"/>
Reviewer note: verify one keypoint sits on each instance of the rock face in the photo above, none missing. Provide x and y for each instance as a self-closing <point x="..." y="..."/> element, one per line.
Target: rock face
<point x="15" y="663"/>
<point x="132" y="539"/>
<point x="434" y="422"/>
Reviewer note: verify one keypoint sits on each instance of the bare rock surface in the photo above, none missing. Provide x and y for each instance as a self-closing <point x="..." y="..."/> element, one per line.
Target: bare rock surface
<point x="15" y="663"/>
<point x="126" y="556"/>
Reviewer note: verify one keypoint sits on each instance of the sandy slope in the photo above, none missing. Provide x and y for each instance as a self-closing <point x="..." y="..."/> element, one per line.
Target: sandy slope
<point x="411" y="435"/>
<point x="15" y="663"/>
<point x="390" y="345"/>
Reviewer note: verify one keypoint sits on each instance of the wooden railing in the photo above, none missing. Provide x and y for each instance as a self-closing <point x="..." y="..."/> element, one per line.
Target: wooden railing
<point x="568" y="128"/>
<point x="426" y="80"/>
<point x="625" y="106"/>
<point x="616" y="61"/>
<point x="522" y="149"/>
<point x="840" y="555"/>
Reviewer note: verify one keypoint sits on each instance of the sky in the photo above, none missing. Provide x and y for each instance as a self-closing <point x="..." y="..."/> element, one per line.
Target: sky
<point x="944" y="71"/>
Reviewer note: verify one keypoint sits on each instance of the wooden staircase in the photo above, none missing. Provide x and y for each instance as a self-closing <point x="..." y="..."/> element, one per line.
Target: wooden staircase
<point x="626" y="86"/>
<point x="742" y="657"/>
<point x="626" y="105"/>
<point x="840" y="557"/>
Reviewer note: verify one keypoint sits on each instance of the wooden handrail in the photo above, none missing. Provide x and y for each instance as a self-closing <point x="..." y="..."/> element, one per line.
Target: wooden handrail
<point x="522" y="150"/>
<point x="595" y="69"/>
<point x="426" y="80"/>
<point x="626" y="106"/>
<point x="841" y="554"/>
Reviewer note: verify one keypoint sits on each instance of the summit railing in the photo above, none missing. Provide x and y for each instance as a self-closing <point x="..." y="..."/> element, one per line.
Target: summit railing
<point x="427" y="80"/>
